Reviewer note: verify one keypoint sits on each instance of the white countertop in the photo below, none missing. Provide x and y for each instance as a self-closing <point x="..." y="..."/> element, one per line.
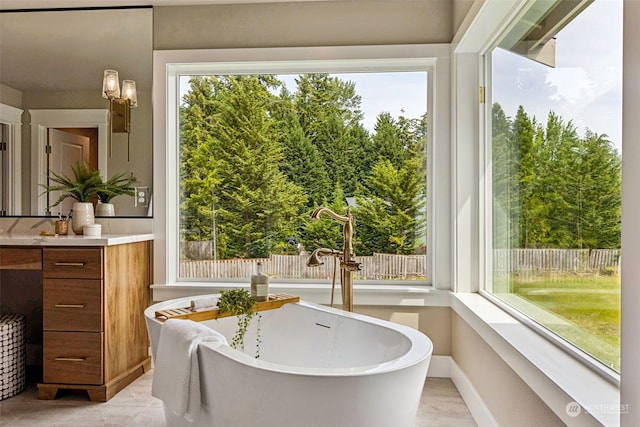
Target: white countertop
<point x="19" y="239"/>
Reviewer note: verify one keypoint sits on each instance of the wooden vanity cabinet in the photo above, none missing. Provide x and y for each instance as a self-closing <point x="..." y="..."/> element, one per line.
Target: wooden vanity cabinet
<point x="95" y="335"/>
<point x="20" y="259"/>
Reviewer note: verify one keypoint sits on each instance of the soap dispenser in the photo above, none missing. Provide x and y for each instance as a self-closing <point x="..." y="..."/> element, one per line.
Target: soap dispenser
<point x="260" y="284"/>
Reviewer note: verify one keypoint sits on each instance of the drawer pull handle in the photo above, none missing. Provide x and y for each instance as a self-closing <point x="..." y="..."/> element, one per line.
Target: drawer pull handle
<point x="69" y="305"/>
<point x="69" y="264"/>
<point x="70" y="359"/>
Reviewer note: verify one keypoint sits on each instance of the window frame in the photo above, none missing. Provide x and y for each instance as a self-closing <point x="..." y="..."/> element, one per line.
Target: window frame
<point x="486" y="216"/>
<point x="170" y="65"/>
<point x="556" y="376"/>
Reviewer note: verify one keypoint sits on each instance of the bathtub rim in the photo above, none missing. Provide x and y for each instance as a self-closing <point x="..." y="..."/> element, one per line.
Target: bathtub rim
<point x="421" y="346"/>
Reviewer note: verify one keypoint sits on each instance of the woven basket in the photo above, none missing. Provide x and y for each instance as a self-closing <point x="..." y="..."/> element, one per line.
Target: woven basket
<point x="12" y="355"/>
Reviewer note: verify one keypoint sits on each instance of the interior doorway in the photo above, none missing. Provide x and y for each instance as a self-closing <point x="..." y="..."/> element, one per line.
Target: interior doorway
<point x="78" y="122"/>
<point x="67" y="147"/>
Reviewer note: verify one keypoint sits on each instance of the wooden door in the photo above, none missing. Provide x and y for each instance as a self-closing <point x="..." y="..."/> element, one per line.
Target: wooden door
<point x="66" y="150"/>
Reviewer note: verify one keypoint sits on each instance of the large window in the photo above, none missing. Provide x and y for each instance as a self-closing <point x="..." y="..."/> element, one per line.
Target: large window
<point x="258" y="152"/>
<point x="556" y="178"/>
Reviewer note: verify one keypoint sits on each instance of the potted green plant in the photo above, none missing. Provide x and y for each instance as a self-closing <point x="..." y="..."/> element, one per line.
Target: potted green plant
<point x="240" y="303"/>
<point x="118" y="184"/>
<point x="82" y="186"/>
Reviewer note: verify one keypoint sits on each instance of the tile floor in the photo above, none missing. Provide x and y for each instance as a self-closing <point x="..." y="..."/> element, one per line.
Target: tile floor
<point x="441" y="405"/>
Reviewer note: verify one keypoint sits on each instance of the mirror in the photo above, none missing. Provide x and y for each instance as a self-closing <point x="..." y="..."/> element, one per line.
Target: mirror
<point x="51" y="70"/>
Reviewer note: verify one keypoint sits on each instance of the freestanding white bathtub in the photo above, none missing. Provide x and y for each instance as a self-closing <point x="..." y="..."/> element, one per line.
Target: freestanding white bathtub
<point x="318" y="366"/>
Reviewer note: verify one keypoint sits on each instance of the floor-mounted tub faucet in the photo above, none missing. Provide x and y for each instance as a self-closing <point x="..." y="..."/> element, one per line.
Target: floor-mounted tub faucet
<point x="347" y="257"/>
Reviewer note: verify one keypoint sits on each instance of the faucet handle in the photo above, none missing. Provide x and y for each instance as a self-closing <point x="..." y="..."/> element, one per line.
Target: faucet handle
<point x="352" y="265"/>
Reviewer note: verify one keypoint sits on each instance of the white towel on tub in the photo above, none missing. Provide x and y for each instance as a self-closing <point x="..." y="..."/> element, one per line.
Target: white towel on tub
<point x="176" y="374"/>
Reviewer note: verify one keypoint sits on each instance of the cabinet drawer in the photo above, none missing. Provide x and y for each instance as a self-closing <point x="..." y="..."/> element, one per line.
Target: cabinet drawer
<point x="73" y="357"/>
<point x="20" y="259"/>
<point x="73" y="263"/>
<point x="72" y="305"/>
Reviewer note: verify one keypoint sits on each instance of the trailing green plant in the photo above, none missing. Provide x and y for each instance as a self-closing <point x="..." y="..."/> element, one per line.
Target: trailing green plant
<point x="82" y="186"/>
<point x="117" y="185"/>
<point x="240" y="303"/>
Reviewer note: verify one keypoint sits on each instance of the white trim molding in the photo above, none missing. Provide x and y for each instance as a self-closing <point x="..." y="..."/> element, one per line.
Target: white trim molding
<point x="552" y="373"/>
<point x="12" y="117"/>
<point x="378" y="294"/>
<point x="630" y="336"/>
<point x="170" y="65"/>
<point x="481" y="414"/>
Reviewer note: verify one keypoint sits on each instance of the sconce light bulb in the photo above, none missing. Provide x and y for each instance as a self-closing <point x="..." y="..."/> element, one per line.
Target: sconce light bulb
<point x="129" y="92"/>
<point x="110" y="85"/>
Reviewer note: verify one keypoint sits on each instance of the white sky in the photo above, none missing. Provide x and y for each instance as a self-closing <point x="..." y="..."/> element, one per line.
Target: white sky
<point x="385" y="92"/>
<point x="585" y="86"/>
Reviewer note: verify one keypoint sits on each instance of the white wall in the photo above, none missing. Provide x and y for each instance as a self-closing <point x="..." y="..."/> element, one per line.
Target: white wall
<point x="630" y="342"/>
<point x="509" y="399"/>
<point x="140" y="162"/>
<point x="10" y="96"/>
<point x="323" y="23"/>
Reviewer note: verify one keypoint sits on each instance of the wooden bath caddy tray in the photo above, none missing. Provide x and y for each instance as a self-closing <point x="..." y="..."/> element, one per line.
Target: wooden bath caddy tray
<point x="275" y="301"/>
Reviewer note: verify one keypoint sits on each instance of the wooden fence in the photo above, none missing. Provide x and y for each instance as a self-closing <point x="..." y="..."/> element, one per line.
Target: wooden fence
<point x="375" y="267"/>
<point x="556" y="261"/>
<point x="401" y="267"/>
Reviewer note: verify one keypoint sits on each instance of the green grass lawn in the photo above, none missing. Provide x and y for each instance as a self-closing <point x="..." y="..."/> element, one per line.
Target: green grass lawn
<point x="585" y="310"/>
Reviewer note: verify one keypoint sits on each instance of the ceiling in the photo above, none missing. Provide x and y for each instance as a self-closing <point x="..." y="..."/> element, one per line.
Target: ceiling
<point x="69" y="50"/>
<point x="53" y="50"/>
<point x="42" y="4"/>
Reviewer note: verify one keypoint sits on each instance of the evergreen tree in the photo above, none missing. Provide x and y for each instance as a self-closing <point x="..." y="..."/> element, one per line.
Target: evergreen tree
<point x="558" y="166"/>
<point x="594" y="194"/>
<point x="386" y="141"/>
<point x="391" y="212"/>
<point x="320" y="96"/>
<point x="551" y="188"/>
<point x="256" y="206"/>
<point x="413" y="135"/>
<point x="323" y="232"/>
<point x="524" y="216"/>
<point x="301" y="161"/>
<point x="199" y="168"/>
<point x="361" y="156"/>
<point x="505" y="186"/>
<point x="329" y="113"/>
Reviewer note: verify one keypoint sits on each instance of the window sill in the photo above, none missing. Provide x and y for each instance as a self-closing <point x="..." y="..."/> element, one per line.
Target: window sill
<point x="320" y="293"/>
<point x="554" y="375"/>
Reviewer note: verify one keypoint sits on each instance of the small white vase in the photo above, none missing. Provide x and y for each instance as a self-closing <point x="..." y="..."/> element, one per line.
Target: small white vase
<point x="105" y="209"/>
<point x="82" y="215"/>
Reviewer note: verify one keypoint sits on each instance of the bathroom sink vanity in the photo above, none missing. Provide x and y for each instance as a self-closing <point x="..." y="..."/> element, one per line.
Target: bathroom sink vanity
<point x="84" y="300"/>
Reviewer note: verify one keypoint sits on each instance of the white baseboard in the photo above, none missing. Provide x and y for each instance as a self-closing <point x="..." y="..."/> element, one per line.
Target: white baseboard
<point x="440" y="367"/>
<point x="478" y="409"/>
<point x="445" y="367"/>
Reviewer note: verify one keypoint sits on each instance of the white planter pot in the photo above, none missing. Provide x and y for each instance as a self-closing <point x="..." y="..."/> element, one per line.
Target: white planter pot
<point x="105" y="209"/>
<point x="82" y="215"/>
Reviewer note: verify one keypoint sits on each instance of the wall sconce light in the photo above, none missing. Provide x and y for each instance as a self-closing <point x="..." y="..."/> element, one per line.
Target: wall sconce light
<point x="119" y="106"/>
